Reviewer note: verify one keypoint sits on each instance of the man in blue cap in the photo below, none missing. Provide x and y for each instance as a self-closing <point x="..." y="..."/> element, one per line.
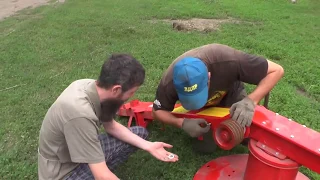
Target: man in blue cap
<point x="214" y="75"/>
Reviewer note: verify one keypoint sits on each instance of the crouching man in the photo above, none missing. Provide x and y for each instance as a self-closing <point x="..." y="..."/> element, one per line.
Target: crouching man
<point x="70" y="145"/>
<point x="213" y="75"/>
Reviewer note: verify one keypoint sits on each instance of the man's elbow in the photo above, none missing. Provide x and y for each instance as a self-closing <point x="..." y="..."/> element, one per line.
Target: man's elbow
<point x="275" y="69"/>
<point x="154" y="114"/>
<point x="279" y="71"/>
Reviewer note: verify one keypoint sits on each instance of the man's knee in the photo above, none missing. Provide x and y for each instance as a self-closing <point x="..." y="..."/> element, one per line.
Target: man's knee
<point x="140" y="131"/>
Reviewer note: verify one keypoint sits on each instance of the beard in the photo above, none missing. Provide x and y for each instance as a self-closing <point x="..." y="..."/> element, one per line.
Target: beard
<point x="109" y="108"/>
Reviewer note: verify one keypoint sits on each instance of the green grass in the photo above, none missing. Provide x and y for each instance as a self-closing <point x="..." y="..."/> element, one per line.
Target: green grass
<point x="45" y="49"/>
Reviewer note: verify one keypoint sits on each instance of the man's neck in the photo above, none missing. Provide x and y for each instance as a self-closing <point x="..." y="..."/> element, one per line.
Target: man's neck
<point x="103" y="93"/>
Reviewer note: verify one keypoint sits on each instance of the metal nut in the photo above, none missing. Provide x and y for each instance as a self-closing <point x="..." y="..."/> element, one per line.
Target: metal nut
<point x="171" y="156"/>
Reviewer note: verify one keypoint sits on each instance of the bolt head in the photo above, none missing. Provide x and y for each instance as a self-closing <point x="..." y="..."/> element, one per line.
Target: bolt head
<point x="277" y="114"/>
<point x="277" y="153"/>
<point x="304" y="126"/>
<point x="290" y="119"/>
<point x="292" y="136"/>
<point x="277" y="129"/>
<point x="264" y="122"/>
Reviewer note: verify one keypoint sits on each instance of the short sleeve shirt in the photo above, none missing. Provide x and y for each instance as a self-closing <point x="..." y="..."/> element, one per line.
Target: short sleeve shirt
<point x="69" y="132"/>
<point x="227" y="65"/>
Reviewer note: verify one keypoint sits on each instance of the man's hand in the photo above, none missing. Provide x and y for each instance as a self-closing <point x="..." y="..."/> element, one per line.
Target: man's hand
<point x="243" y="111"/>
<point x="157" y="150"/>
<point x="193" y="127"/>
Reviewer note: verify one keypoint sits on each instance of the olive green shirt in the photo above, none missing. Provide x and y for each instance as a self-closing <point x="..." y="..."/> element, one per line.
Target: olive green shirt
<point x="70" y="130"/>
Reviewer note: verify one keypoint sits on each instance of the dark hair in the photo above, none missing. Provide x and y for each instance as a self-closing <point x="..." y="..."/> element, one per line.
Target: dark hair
<point x="121" y="69"/>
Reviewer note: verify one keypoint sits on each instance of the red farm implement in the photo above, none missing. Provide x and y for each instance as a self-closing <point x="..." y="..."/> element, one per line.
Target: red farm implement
<point x="278" y="146"/>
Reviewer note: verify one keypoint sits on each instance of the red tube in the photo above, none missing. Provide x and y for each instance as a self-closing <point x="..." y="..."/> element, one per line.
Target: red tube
<point x="263" y="165"/>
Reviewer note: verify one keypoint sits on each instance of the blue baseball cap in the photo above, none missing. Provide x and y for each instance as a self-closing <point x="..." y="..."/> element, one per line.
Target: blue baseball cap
<point x="190" y="78"/>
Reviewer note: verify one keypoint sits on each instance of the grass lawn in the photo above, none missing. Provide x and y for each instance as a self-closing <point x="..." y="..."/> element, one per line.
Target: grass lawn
<point x="45" y="49"/>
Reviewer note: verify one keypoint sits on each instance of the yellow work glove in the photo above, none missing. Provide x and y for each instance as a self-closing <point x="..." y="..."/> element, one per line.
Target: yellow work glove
<point x="193" y="127"/>
<point x="243" y="111"/>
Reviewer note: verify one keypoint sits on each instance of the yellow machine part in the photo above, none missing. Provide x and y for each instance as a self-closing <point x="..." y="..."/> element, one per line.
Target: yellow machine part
<point x="211" y="111"/>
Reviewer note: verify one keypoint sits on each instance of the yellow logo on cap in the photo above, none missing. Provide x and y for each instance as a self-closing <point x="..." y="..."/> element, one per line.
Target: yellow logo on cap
<point x="191" y="88"/>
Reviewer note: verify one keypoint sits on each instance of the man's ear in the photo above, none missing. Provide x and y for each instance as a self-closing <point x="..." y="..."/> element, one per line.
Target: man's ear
<point x="209" y="76"/>
<point x="115" y="90"/>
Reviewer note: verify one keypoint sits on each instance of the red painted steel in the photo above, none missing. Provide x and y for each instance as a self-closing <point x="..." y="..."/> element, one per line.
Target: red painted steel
<point x="287" y="137"/>
<point x="228" y="134"/>
<point x="264" y="163"/>
<point x="233" y="167"/>
<point x="141" y="111"/>
<point x="276" y="134"/>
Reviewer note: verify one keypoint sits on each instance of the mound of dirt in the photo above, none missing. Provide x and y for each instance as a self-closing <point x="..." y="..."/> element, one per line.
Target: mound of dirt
<point x="11" y="7"/>
<point x="197" y="24"/>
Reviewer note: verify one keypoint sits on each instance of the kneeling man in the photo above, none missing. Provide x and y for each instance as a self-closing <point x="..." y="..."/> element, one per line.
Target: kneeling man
<point x="70" y="145"/>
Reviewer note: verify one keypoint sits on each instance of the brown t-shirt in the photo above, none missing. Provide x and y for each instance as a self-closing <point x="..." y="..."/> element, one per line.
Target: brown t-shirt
<point x="228" y="67"/>
<point x="69" y="132"/>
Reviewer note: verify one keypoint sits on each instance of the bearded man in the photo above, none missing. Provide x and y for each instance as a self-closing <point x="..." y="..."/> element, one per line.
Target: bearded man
<point x="70" y="144"/>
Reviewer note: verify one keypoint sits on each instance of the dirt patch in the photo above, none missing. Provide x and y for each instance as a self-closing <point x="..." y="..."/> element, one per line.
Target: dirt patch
<point x="11" y="7"/>
<point x="197" y="24"/>
<point x="302" y="91"/>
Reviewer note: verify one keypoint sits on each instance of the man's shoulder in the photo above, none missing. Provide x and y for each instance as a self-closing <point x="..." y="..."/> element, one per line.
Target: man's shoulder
<point x="74" y="102"/>
<point x="211" y="47"/>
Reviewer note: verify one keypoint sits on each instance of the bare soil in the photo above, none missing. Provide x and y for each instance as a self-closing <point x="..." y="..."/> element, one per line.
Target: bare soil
<point x="197" y="24"/>
<point x="11" y="7"/>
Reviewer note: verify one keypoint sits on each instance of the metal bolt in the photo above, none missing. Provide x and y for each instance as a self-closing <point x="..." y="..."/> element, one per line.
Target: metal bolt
<point x="264" y="122"/>
<point x="304" y="126"/>
<point x="292" y="136"/>
<point x="277" y="114"/>
<point x="277" y="153"/>
<point x="277" y="129"/>
<point x="319" y="150"/>
<point x="263" y="146"/>
<point x="290" y="119"/>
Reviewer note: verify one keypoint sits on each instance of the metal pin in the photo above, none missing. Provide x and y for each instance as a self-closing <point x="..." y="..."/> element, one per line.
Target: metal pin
<point x="264" y="122"/>
<point x="277" y="114"/>
<point x="263" y="146"/>
<point x="277" y="153"/>
<point x="290" y="119"/>
<point x="319" y="150"/>
<point x="277" y="129"/>
<point x="304" y="126"/>
<point x="292" y="136"/>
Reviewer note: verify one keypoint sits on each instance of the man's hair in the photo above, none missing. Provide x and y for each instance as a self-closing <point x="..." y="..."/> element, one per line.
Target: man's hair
<point x="121" y="69"/>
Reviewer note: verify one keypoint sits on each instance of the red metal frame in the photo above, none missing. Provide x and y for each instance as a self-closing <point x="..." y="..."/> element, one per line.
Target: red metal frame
<point x="283" y="137"/>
